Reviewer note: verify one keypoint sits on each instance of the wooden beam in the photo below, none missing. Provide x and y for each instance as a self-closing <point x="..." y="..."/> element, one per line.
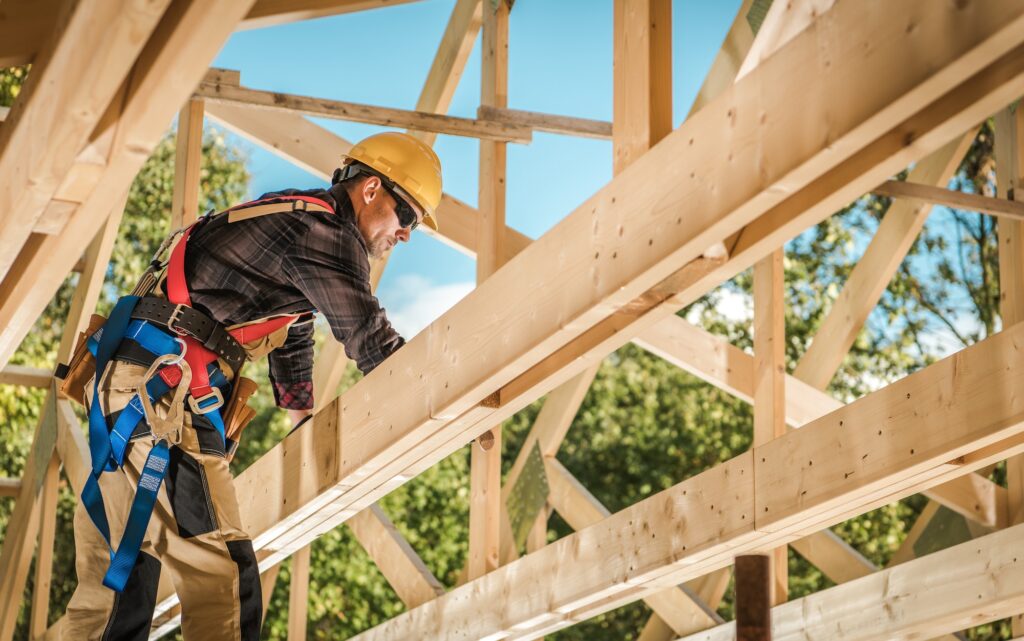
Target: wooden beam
<point x="485" y="513"/>
<point x="957" y="588"/>
<point x="267" y="13"/>
<point x="369" y="114"/>
<point x="642" y="106"/>
<point x="188" y="159"/>
<point x="951" y="198"/>
<point x="548" y="123"/>
<point x="298" y="596"/>
<point x="20" y="535"/>
<point x="170" y="66"/>
<point x="580" y="509"/>
<point x="412" y="581"/>
<point x="26" y="376"/>
<point x="770" y="394"/>
<point x="761" y="498"/>
<point x="726" y="65"/>
<point x="449" y="61"/>
<point x="32" y="165"/>
<point x="26" y="23"/>
<point x="10" y="488"/>
<point x="40" y="611"/>
<point x="385" y="443"/>
<point x="713" y="359"/>
<point x="872" y="274"/>
<point x="1009" y="152"/>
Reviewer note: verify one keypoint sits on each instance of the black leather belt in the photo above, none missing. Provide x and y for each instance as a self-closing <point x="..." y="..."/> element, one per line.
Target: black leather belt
<point x="185" y="320"/>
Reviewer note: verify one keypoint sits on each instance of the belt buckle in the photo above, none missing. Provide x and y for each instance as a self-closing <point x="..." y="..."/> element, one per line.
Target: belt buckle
<point x="197" y="403"/>
<point x="174" y="318"/>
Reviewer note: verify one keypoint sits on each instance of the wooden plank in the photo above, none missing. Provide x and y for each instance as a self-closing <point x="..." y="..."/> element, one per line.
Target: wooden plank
<point x="863" y="289"/>
<point x="385" y="442"/>
<point x="951" y="198"/>
<point x="267" y="13"/>
<point x="170" y="66"/>
<point x="485" y="505"/>
<point x="1009" y="152"/>
<point x="960" y="587"/>
<point x="833" y="556"/>
<point x="20" y="535"/>
<point x="675" y="607"/>
<point x="369" y="114"/>
<point x="188" y="159"/>
<point x="31" y="168"/>
<point x="642" y="78"/>
<point x="44" y="557"/>
<point x="449" y="61"/>
<point x="671" y="537"/>
<point x="26" y="376"/>
<point x="713" y="359"/>
<point x="726" y="65"/>
<point x="548" y="123"/>
<point x="10" y="487"/>
<point x="412" y="581"/>
<point x="298" y="596"/>
<point x="770" y="396"/>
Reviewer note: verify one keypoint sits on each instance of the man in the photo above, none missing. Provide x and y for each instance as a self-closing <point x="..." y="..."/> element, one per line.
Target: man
<point x="247" y="286"/>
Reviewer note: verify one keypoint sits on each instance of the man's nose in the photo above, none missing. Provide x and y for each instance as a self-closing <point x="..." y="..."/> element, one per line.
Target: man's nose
<point x="403" y="234"/>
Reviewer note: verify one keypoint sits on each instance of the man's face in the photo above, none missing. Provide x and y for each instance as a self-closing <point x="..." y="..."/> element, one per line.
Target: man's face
<point x="375" y="215"/>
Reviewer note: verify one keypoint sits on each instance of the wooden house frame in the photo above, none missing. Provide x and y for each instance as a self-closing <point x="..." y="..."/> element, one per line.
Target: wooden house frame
<point x="895" y="83"/>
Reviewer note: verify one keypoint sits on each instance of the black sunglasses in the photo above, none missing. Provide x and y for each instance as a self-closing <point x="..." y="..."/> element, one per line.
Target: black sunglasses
<point x="406" y="214"/>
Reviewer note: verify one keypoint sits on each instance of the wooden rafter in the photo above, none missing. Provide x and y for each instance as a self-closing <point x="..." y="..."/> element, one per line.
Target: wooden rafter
<point x="63" y="81"/>
<point x="960" y="587"/>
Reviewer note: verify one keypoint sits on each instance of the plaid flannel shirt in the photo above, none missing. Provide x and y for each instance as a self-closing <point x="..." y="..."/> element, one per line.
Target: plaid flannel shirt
<point x="288" y="264"/>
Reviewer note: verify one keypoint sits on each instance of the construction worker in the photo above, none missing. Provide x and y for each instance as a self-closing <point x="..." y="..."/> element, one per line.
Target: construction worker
<point x="163" y="415"/>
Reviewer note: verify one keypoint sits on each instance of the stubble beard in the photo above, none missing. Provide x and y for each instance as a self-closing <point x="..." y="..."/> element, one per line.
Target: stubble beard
<point x="379" y="248"/>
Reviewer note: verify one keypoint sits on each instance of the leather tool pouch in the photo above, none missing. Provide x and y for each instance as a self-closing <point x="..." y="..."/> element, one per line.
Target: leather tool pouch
<point x="82" y="367"/>
<point x="237" y="414"/>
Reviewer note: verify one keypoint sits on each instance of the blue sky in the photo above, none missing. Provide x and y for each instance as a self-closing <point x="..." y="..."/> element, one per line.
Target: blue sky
<point x="560" y="62"/>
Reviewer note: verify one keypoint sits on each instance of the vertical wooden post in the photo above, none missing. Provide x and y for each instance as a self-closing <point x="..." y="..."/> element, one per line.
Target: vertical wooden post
<point x="298" y="597"/>
<point x="44" y="557"/>
<point x="753" y="598"/>
<point x="188" y="157"/>
<point x="642" y="108"/>
<point x="485" y="465"/>
<point x="641" y="112"/>
<point x="770" y="380"/>
<point x="1009" y="152"/>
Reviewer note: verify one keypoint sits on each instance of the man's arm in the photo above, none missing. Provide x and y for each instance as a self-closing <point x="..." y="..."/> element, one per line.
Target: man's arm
<point x="332" y="271"/>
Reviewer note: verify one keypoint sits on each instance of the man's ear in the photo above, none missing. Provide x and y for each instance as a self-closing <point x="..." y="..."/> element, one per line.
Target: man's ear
<point x="371" y="189"/>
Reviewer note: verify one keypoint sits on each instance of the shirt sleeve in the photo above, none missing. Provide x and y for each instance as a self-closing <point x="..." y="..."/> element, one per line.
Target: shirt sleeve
<point x="291" y="369"/>
<point x="330" y="268"/>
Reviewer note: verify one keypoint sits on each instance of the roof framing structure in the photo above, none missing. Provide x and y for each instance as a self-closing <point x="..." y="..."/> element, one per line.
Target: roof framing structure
<point x="893" y="86"/>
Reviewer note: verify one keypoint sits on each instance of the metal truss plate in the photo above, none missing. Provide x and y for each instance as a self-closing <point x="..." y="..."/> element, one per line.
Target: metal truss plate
<point x="528" y="496"/>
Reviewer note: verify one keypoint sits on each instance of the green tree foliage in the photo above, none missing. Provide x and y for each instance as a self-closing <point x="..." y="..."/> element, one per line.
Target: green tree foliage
<point x="643" y="426"/>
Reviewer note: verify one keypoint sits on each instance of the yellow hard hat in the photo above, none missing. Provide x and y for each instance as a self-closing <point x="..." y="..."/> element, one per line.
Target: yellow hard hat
<point x="409" y="163"/>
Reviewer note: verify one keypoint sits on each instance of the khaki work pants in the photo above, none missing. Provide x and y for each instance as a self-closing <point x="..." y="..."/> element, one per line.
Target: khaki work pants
<point x="195" y="535"/>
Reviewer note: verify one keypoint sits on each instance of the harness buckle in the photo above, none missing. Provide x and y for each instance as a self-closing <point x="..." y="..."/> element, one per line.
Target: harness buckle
<point x="199" y="405"/>
<point x="167" y="428"/>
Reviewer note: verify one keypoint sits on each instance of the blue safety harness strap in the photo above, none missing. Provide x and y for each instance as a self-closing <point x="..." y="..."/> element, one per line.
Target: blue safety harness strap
<point x="108" y="447"/>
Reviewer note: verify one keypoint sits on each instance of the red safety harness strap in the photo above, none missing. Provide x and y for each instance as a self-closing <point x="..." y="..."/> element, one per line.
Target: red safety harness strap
<point x="197" y="356"/>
